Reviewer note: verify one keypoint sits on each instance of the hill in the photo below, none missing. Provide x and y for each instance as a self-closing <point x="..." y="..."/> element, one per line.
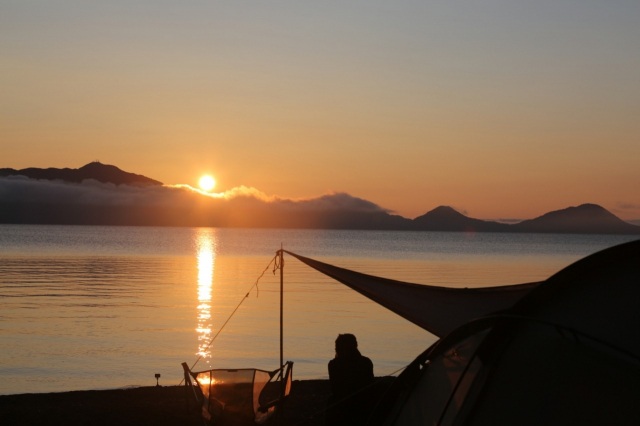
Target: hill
<point x="95" y="170"/>
<point x="445" y="218"/>
<point x="99" y="194"/>
<point x="583" y="219"/>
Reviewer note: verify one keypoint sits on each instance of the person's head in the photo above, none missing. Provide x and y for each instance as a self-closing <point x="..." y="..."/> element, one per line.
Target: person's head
<point x="346" y="344"/>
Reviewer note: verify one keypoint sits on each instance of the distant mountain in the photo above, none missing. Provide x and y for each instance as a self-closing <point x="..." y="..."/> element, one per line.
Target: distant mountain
<point x="43" y="196"/>
<point x="445" y="218"/>
<point x="583" y="219"/>
<point x="95" y="170"/>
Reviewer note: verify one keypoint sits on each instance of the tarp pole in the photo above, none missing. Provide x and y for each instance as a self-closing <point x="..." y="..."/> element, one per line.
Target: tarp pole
<point x="281" y="308"/>
<point x="282" y="383"/>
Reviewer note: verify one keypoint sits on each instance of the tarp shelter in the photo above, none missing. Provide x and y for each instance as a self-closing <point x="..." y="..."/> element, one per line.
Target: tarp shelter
<point x="439" y="310"/>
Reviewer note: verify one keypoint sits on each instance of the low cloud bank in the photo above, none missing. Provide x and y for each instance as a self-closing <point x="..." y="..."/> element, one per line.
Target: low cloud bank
<point x="24" y="200"/>
<point x="31" y="201"/>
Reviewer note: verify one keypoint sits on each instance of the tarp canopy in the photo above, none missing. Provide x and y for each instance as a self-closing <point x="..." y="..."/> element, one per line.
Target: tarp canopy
<point x="438" y="310"/>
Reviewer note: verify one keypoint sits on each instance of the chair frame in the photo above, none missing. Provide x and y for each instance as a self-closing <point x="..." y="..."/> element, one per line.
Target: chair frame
<point x="212" y="408"/>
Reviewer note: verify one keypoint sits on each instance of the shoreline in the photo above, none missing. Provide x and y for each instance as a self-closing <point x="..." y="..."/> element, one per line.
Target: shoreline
<point x="154" y="405"/>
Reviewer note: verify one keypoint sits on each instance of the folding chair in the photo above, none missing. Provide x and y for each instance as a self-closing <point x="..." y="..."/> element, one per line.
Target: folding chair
<point x="234" y="397"/>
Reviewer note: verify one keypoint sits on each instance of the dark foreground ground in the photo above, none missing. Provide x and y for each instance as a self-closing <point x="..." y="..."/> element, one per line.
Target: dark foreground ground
<point x="145" y="406"/>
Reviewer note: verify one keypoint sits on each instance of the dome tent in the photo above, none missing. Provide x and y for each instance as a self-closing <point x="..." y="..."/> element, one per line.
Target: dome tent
<point x="567" y="352"/>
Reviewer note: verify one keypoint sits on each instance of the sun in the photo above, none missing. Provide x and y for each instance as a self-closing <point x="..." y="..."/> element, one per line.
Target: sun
<point x="207" y="183"/>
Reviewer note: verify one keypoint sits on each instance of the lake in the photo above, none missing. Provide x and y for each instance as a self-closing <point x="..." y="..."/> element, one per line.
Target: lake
<point x="85" y="307"/>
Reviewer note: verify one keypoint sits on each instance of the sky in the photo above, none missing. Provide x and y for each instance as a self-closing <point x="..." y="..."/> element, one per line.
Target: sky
<point x="500" y="109"/>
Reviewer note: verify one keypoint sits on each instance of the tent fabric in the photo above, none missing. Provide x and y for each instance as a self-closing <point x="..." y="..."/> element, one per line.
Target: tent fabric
<point x="597" y="295"/>
<point x="545" y="375"/>
<point x="566" y="353"/>
<point x="445" y="383"/>
<point x="439" y="310"/>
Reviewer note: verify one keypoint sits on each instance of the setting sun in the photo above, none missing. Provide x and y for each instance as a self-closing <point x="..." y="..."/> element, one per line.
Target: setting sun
<point x="207" y="183"/>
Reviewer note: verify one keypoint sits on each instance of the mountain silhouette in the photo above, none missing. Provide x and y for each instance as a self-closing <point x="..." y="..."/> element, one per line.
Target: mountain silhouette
<point x="445" y="218"/>
<point x="583" y="219"/>
<point x="58" y="196"/>
<point x="101" y="172"/>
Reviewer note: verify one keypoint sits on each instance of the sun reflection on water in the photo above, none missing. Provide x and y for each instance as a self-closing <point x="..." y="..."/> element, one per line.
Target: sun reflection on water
<point x="206" y="255"/>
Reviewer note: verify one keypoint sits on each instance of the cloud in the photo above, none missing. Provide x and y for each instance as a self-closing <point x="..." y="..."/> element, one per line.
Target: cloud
<point x="628" y="206"/>
<point x="327" y="202"/>
<point x="19" y="189"/>
<point x="629" y="210"/>
<point x="337" y="201"/>
<point x="175" y="204"/>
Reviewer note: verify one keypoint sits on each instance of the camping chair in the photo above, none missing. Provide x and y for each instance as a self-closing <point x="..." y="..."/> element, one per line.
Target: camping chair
<point x="237" y="397"/>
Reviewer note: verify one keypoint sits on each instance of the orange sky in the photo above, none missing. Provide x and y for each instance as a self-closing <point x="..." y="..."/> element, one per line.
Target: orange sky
<point x="500" y="110"/>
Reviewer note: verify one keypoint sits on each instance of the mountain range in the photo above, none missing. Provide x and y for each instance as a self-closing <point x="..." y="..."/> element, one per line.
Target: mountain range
<point x="94" y="170"/>
<point x="99" y="194"/>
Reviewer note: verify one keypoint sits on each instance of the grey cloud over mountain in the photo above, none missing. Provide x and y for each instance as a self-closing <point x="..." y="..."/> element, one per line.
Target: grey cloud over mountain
<point x="200" y="208"/>
<point x="91" y="202"/>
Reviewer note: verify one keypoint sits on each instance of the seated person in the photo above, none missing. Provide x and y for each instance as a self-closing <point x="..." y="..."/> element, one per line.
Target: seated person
<point x="350" y="376"/>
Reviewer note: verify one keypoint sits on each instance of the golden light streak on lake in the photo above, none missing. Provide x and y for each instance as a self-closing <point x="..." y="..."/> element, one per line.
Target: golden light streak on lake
<point x="206" y="255"/>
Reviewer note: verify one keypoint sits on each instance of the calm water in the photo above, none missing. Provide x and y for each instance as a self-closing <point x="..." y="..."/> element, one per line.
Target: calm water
<point x="108" y="307"/>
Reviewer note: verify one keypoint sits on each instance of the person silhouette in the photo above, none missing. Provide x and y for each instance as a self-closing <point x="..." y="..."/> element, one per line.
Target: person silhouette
<point x="350" y="377"/>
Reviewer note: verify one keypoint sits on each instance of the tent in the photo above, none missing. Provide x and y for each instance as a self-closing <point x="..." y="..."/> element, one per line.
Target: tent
<point x="564" y="351"/>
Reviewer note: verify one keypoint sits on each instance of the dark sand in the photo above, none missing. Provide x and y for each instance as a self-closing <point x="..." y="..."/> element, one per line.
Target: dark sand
<point x="145" y="406"/>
